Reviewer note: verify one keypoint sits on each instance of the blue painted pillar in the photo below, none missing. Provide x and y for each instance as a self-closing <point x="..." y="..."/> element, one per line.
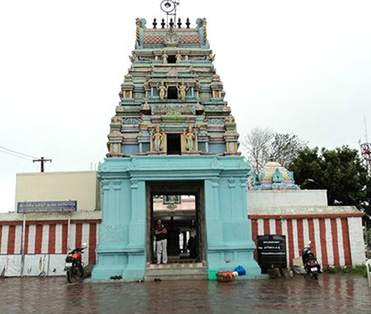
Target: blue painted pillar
<point x="136" y="248"/>
<point x="121" y="248"/>
<point x="214" y="230"/>
<point x="113" y="236"/>
<point x="228" y="229"/>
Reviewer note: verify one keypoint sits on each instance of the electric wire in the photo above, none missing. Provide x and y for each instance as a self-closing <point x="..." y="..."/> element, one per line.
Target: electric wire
<point x="15" y="152"/>
<point x="14" y="155"/>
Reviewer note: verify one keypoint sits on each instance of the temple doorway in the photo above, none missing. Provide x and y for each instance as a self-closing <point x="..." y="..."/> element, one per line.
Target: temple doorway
<point x="179" y="205"/>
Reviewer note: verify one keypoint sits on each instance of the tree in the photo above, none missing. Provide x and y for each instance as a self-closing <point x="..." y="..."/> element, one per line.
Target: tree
<point x="285" y="147"/>
<point x="339" y="171"/>
<point x="257" y="144"/>
<point x="264" y="144"/>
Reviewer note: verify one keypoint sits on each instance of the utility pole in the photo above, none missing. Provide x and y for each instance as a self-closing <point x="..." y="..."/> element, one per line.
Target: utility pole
<point x="42" y="160"/>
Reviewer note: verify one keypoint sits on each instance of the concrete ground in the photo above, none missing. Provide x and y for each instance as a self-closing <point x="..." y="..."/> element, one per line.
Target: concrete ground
<point x="330" y="294"/>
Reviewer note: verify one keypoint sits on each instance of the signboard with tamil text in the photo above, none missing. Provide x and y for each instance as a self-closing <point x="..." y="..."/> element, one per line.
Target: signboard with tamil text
<point x="272" y="251"/>
<point x="46" y="207"/>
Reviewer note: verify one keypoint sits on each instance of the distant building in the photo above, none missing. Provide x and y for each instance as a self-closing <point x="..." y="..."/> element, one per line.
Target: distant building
<point x="55" y="211"/>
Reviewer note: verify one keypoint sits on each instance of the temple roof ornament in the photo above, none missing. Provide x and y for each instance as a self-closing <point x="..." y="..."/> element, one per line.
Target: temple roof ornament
<point x="274" y="177"/>
<point x="171" y="38"/>
<point x="169" y="7"/>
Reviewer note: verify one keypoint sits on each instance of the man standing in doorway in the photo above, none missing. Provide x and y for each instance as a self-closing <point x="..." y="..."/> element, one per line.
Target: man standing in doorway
<point x="161" y="242"/>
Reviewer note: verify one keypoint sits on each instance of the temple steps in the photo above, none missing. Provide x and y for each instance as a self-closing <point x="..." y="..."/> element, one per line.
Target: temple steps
<point x="176" y="271"/>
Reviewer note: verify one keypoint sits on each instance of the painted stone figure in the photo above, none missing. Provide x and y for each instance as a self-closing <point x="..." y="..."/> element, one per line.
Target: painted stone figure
<point x="157" y="139"/>
<point x="164" y="57"/>
<point x="178" y="57"/>
<point x="162" y="91"/>
<point x="190" y="138"/>
<point x="182" y="91"/>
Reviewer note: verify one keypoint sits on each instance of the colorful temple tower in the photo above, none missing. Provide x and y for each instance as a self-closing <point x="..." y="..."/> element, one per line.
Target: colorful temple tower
<point x="173" y="134"/>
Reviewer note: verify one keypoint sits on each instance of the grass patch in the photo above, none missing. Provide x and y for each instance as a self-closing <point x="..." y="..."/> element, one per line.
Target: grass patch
<point x="357" y="270"/>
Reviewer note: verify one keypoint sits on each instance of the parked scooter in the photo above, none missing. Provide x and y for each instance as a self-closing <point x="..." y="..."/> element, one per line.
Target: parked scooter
<point x="311" y="265"/>
<point x="74" y="265"/>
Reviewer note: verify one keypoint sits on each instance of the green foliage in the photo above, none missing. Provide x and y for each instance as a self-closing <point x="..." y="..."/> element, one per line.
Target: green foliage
<point x="357" y="270"/>
<point x="339" y="171"/>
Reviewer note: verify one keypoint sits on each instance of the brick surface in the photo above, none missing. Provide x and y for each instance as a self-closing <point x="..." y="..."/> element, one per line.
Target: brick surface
<point x="330" y="294"/>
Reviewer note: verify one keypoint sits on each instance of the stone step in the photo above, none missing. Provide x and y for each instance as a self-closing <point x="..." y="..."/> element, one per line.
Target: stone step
<point x="175" y="265"/>
<point x="176" y="272"/>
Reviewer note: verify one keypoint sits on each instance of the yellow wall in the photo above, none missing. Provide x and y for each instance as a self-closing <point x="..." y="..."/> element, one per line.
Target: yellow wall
<point x="80" y="186"/>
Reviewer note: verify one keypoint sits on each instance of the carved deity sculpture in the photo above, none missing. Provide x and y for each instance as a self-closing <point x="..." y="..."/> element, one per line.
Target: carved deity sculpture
<point x="162" y="91"/>
<point x="171" y="38"/>
<point x="182" y="91"/>
<point x="164" y="57"/>
<point x="197" y="88"/>
<point x="190" y="139"/>
<point x="157" y="138"/>
<point x="178" y="57"/>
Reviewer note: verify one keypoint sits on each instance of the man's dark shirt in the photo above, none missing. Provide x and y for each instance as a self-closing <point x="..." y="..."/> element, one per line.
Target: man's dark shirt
<point x="160" y="236"/>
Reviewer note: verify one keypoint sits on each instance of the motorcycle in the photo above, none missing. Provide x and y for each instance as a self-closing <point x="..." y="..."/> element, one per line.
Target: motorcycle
<point x="311" y="265"/>
<point x="74" y="266"/>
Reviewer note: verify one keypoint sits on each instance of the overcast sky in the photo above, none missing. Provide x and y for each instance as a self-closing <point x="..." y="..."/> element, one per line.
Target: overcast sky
<point x="301" y="67"/>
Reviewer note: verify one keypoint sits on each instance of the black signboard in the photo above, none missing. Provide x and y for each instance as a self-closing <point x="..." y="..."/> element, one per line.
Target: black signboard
<point x="272" y="251"/>
<point x="46" y="207"/>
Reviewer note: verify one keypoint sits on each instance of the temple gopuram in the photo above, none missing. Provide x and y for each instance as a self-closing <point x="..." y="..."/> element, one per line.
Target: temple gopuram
<point x="173" y="137"/>
<point x="172" y="99"/>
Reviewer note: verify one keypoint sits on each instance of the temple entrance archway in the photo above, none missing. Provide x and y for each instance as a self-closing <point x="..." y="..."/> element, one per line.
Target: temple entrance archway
<point x="180" y="205"/>
<point x="218" y="185"/>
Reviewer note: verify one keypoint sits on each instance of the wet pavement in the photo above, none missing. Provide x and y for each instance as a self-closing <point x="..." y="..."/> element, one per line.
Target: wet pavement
<point x="330" y="294"/>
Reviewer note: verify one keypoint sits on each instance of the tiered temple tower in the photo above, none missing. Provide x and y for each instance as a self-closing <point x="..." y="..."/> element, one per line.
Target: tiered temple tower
<point x="172" y="99"/>
<point x="173" y="133"/>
